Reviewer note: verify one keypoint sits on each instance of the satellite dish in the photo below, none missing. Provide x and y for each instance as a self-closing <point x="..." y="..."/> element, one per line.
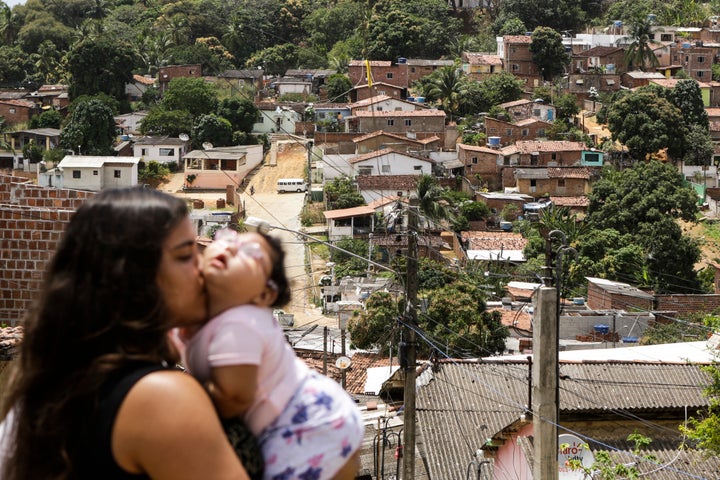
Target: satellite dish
<point x="184" y="137"/>
<point x="343" y="363"/>
<point x="207" y="145"/>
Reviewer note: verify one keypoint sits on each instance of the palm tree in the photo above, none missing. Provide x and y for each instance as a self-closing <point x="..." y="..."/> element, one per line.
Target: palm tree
<point x="448" y="87"/>
<point x="432" y="206"/>
<point x="639" y="53"/>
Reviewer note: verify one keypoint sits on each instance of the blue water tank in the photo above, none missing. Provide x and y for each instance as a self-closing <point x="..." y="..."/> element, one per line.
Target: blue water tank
<point x="410" y="99"/>
<point x="630" y="339"/>
<point x="124" y="138"/>
<point x="600" y="328"/>
<point x="617" y="24"/>
<point x="494" y="141"/>
<point x="420" y="99"/>
<point x="402" y="60"/>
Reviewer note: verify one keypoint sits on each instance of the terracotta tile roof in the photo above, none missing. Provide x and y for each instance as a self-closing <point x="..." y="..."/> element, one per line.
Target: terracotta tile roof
<point x="530" y="146"/>
<point x="515" y="103"/>
<point x="362" y="210"/>
<point x="369" y="101"/>
<point x="10" y="338"/>
<point x="494" y="240"/>
<point x="517" y="39"/>
<point x="519" y="319"/>
<point x="331" y="106"/>
<point x="143" y="79"/>
<point x="19" y="103"/>
<point x="714" y="126"/>
<point x="384" y="151"/>
<point x="579" y="201"/>
<point x="477" y="148"/>
<point x="482" y="58"/>
<point x="402" y="113"/>
<point x="387" y="182"/>
<point x="356" y="375"/>
<point x="713" y="112"/>
<point x="404" y="138"/>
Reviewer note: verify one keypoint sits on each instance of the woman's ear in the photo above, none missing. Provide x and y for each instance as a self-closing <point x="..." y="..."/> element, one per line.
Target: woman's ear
<point x="266" y="298"/>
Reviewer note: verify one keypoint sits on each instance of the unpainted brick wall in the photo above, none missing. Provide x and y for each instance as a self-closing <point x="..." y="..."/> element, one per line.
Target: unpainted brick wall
<point x="32" y="220"/>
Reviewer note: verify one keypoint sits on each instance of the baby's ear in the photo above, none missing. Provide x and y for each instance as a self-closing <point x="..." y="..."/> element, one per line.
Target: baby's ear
<point x="266" y="298"/>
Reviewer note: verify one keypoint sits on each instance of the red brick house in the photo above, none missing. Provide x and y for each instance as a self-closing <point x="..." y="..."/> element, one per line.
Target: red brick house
<point x="420" y="68"/>
<point x="18" y="111"/>
<point x="610" y="295"/>
<point x="552" y="153"/>
<point x="365" y="91"/>
<point x="694" y="58"/>
<point x="421" y="123"/>
<point x="517" y="58"/>
<point x="479" y="66"/>
<point x="552" y="181"/>
<point x="600" y="59"/>
<point x="380" y="71"/>
<point x="508" y="133"/>
<point x="166" y="74"/>
<point x="482" y="165"/>
<point x="400" y="143"/>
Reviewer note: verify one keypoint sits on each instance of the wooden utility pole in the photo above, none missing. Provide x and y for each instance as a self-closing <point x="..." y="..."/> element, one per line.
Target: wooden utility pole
<point x="410" y="344"/>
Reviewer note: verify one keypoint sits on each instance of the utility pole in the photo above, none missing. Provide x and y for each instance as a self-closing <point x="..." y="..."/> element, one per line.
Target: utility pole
<point x="309" y="165"/>
<point x="410" y="344"/>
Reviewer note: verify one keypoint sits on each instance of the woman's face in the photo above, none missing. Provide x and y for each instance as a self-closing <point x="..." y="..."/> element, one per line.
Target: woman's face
<point x="179" y="278"/>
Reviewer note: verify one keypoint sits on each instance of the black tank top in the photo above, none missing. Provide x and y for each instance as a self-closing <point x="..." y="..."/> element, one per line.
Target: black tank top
<point x="100" y="460"/>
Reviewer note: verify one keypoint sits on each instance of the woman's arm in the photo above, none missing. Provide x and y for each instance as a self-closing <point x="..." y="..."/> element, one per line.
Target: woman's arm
<point x="167" y="428"/>
<point x="233" y="388"/>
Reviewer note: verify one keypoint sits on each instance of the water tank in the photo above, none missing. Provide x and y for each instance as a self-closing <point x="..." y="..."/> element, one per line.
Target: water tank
<point x="506" y="226"/>
<point x="410" y="99"/>
<point x="686" y="45"/>
<point x="601" y="328"/>
<point x="402" y="60"/>
<point x="617" y="24"/>
<point x="494" y="141"/>
<point x="610" y="68"/>
<point x="630" y="339"/>
<point x="124" y="138"/>
<point x="420" y="99"/>
<point x="578" y="301"/>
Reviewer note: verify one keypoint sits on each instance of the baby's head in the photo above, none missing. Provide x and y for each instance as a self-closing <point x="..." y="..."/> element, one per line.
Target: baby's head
<point x="231" y="278"/>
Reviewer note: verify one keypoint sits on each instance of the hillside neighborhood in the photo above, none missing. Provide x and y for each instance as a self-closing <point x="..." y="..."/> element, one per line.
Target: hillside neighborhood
<point x="585" y="182"/>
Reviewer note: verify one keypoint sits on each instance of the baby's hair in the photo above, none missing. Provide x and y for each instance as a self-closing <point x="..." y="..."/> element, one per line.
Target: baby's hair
<point x="278" y="276"/>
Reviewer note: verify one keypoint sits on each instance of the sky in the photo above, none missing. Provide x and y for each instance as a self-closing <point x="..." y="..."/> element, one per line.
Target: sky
<point x="12" y="3"/>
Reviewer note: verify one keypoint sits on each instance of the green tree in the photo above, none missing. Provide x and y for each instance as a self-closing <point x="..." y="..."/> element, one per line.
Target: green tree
<point x="90" y="130"/>
<point x="213" y="129"/>
<point x="644" y="202"/>
<point x="430" y="198"/>
<point x="193" y="95"/>
<point x="566" y="107"/>
<point x="152" y="173"/>
<point x="548" y="52"/>
<point x="375" y="327"/>
<point x="639" y="53"/>
<point x="687" y="97"/>
<point x="241" y="113"/>
<point x="172" y="123"/>
<point x="349" y="265"/>
<point x="47" y="119"/>
<point x="447" y="86"/>
<point x="14" y="66"/>
<point x="513" y="26"/>
<point x="700" y="146"/>
<point x="338" y="88"/>
<point x="41" y="27"/>
<point x="646" y="124"/>
<point x="342" y="193"/>
<point x="100" y="66"/>
<point x="275" y="60"/>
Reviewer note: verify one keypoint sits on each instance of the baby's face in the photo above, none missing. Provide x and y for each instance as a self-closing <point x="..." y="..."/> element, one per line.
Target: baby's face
<point x="237" y="264"/>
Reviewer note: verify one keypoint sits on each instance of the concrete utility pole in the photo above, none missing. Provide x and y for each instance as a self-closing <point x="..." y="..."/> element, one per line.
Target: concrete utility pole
<point x="545" y="383"/>
<point x="410" y="344"/>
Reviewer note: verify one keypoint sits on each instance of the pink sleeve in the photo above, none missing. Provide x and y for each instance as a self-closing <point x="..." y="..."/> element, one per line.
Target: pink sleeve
<point x="236" y="341"/>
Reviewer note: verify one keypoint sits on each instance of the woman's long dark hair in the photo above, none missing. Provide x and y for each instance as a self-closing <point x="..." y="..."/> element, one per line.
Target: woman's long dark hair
<point x="100" y="310"/>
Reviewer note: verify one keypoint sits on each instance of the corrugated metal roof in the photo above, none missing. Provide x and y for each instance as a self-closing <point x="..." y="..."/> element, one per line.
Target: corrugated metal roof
<point x="467" y="402"/>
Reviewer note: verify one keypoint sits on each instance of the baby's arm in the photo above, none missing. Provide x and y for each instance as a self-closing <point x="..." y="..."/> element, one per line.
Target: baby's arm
<point x="233" y="388"/>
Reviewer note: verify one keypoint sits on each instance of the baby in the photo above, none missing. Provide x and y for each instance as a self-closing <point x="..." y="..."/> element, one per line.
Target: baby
<point x="307" y="426"/>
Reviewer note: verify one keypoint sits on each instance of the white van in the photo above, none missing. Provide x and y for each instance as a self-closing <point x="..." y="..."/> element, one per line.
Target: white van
<point x="291" y="185"/>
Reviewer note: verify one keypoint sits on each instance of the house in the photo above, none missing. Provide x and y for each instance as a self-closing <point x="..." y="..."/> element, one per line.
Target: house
<point x="580" y="84"/>
<point x="376" y="187"/>
<point x="494" y="246"/>
<point x="517" y="59"/>
<point x="357" y="222"/>
<point x="390" y="162"/>
<point x="478" y="66"/>
<point x="94" y="173"/>
<point x="219" y="167"/>
<point x="136" y="89"/>
<point x="251" y="79"/>
<point x="482" y="165"/>
<point x="376" y="89"/>
<point x="499" y="201"/>
<point x="422" y="123"/>
<point x="167" y="73"/>
<point x="535" y="153"/>
<point x="316" y="77"/>
<point x="608" y="294"/>
<point x="381" y="139"/>
<point x="160" y="149"/>
<point x="129" y="123"/>
<point x="16" y="112"/>
<point x="524" y="109"/>
<point x="292" y="85"/>
<point x="367" y="72"/>
<point x="420" y="68"/>
<point x="276" y="118"/>
<point x="637" y="78"/>
<point x="694" y="58"/>
<point x="331" y="116"/>
<point x="492" y="429"/>
<point x="670" y="83"/>
<point x="599" y="60"/>
<point x="506" y="133"/>
<point x="553" y="181"/>
<point x="384" y="103"/>
<point x="50" y="96"/>
<point x="45" y="138"/>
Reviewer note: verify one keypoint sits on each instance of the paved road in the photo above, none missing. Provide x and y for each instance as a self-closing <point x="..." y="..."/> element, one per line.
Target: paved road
<point x="283" y="210"/>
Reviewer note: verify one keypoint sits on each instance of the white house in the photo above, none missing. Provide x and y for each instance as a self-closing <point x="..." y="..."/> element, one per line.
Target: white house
<point x="129" y="123"/>
<point x="84" y="172"/>
<point x="390" y="162"/>
<point x="276" y="119"/>
<point x="160" y="149"/>
<point x="384" y="103"/>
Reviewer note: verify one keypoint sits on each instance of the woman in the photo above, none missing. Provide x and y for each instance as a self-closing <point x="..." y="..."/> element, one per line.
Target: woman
<point x="92" y="395"/>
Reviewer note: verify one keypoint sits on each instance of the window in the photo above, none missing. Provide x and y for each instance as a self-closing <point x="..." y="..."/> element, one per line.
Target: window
<point x="76" y="173"/>
<point x="321" y="115"/>
<point x="412" y="69"/>
<point x="365" y="171"/>
<point x="408" y="122"/>
<point x="534" y="159"/>
<point x="666" y="37"/>
<point x="554" y="156"/>
<point x="536" y="112"/>
<point x="701" y="59"/>
<point x="389" y="75"/>
<point x="515" y="67"/>
<point x="143" y="152"/>
<point x="95" y="173"/>
<point x="533" y="182"/>
<point x="508" y="132"/>
<point x="474" y="160"/>
<point x="399" y="194"/>
<point x="561" y="182"/>
<point x="541" y="132"/>
<point x="167" y="152"/>
<point x="417" y="167"/>
<point x="116" y="173"/>
<point x="525" y="132"/>
<point x="700" y="74"/>
<point x="379" y="108"/>
<point x="390" y="122"/>
<point x="385" y="169"/>
<point x="579" y="81"/>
